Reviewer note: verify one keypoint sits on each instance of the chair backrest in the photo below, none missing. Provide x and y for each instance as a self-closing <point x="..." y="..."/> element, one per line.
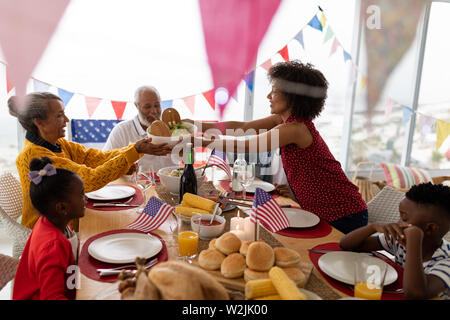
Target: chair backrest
<point x="92" y="133"/>
<point x="11" y="195"/>
<point x="17" y="232"/>
<point x="8" y="267"/>
<point x="404" y="177"/>
<point x="384" y="206"/>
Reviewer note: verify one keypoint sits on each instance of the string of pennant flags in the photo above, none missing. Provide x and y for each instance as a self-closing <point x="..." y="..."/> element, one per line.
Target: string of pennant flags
<point x="317" y="22"/>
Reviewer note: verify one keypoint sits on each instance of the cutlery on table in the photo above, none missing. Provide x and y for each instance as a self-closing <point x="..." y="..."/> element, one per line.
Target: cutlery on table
<point x="107" y="204"/>
<point x="114" y="271"/>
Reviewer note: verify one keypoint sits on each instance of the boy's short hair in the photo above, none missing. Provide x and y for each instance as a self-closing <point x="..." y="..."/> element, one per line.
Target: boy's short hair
<point x="431" y="194"/>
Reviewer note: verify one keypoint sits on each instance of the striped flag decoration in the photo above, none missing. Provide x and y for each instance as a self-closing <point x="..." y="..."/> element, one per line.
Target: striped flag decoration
<point x="219" y="159"/>
<point x="153" y="215"/>
<point x="268" y="211"/>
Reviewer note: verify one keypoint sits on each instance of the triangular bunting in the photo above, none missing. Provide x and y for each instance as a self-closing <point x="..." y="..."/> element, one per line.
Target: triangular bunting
<point x="347" y="56"/>
<point x="166" y="104"/>
<point x="249" y="79"/>
<point x="65" y="96"/>
<point x="190" y="103"/>
<point x="299" y="38"/>
<point x="92" y="104"/>
<point x="334" y="46"/>
<point x="389" y="105"/>
<point x="328" y="35"/>
<point x="363" y="82"/>
<point x="267" y="65"/>
<point x="323" y="20"/>
<point x="40" y="86"/>
<point x="442" y="132"/>
<point x="209" y="96"/>
<point x="284" y="53"/>
<point x="119" y="108"/>
<point x="425" y="125"/>
<point x="353" y="74"/>
<point x="315" y="23"/>
<point x="26" y="27"/>
<point x="407" y="113"/>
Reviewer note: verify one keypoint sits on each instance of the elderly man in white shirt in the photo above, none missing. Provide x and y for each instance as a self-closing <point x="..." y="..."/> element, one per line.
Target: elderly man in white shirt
<point x="148" y="104"/>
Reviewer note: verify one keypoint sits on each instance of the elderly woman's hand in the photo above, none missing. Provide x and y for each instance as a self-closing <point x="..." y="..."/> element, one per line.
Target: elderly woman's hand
<point x="146" y="146"/>
<point x="285" y="191"/>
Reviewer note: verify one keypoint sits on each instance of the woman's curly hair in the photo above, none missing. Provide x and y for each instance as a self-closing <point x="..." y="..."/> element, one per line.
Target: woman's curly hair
<point x="304" y="88"/>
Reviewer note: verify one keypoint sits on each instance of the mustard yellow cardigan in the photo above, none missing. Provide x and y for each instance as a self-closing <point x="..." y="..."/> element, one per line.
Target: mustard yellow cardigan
<point x="95" y="167"/>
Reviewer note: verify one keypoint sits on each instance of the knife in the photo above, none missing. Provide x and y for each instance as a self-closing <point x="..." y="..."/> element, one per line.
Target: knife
<point x="115" y="205"/>
<point x="372" y="253"/>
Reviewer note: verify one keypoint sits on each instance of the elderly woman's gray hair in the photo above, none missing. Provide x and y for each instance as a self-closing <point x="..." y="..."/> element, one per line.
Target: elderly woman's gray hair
<point x="37" y="106"/>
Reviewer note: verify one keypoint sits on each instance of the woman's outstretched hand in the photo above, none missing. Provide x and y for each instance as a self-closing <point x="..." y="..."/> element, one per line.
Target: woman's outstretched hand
<point x="146" y="146"/>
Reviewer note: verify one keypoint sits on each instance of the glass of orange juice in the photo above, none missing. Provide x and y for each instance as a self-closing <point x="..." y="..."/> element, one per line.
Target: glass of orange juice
<point x="369" y="279"/>
<point x="187" y="241"/>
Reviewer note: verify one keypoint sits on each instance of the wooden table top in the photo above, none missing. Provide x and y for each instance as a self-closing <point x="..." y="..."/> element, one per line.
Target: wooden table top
<point x="96" y="221"/>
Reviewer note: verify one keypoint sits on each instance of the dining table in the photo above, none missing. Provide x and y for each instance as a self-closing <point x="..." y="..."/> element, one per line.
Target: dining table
<point x="97" y="221"/>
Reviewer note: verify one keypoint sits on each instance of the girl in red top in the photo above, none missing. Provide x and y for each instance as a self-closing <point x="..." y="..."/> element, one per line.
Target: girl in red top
<point x="316" y="179"/>
<point x="47" y="263"/>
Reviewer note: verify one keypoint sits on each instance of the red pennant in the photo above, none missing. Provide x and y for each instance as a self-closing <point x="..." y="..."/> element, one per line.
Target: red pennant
<point x="209" y="96"/>
<point x="9" y="85"/>
<point x="190" y="103"/>
<point x="92" y="104"/>
<point x="284" y="53"/>
<point x="119" y="108"/>
<point x="267" y="65"/>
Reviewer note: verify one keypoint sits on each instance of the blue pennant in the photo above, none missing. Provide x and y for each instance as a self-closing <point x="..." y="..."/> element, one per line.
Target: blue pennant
<point x="315" y="23"/>
<point x="299" y="38"/>
<point x="166" y="104"/>
<point x="347" y="56"/>
<point x="65" y="96"/>
<point x="249" y="79"/>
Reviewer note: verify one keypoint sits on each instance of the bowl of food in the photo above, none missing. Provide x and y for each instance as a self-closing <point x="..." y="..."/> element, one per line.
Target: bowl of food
<point x="207" y="230"/>
<point x="170" y="178"/>
<point x="178" y="132"/>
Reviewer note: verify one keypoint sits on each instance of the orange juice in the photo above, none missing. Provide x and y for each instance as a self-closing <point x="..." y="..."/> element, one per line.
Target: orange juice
<point x="368" y="291"/>
<point x="187" y="243"/>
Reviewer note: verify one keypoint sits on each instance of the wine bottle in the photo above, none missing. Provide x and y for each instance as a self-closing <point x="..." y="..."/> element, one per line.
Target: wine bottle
<point x="188" y="180"/>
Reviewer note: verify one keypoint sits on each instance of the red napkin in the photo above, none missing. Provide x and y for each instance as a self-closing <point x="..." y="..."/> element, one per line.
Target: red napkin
<point x="348" y="289"/>
<point x="249" y="196"/>
<point x="137" y="199"/>
<point x="88" y="265"/>
<point x="318" y="231"/>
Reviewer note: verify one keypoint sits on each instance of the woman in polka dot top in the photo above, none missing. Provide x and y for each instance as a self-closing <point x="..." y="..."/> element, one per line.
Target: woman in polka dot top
<point x="315" y="177"/>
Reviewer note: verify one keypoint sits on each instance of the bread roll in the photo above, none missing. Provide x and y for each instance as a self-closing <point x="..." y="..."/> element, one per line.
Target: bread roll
<point x="286" y="258"/>
<point x="233" y="266"/>
<point x="212" y="244"/>
<point x="244" y="246"/>
<point x="228" y="243"/>
<point x="210" y="259"/>
<point x="296" y="275"/>
<point x="250" y="274"/>
<point x="177" y="280"/>
<point x="260" y="256"/>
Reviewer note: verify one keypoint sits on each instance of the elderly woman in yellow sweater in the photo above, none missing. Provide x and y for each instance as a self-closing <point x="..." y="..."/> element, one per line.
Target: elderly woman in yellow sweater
<point x="44" y="120"/>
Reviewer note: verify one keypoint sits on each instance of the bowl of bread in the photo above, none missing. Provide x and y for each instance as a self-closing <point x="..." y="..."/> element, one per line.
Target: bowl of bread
<point x="170" y="178"/>
<point x="265" y="270"/>
<point x="170" y="280"/>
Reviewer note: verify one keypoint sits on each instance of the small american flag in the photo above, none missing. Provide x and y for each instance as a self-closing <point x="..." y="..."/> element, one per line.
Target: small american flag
<point x="219" y="159"/>
<point x="268" y="211"/>
<point x="153" y="215"/>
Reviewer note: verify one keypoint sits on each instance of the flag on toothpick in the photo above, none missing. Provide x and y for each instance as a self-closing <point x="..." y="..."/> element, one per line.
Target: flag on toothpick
<point x="153" y="215"/>
<point x="219" y="159"/>
<point x="268" y="211"/>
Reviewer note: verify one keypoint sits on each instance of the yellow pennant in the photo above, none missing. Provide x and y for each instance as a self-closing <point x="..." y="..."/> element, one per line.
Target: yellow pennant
<point x="363" y="82"/>
<point x="442" y="132"/>
<point x="322" y="20"/>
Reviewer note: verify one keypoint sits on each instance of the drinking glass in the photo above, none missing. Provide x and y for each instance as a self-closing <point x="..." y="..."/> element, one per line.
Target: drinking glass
<point x="143" y="179"/>
<point x="187" y="240"/>
<point x="246" y="178"/>
<point x="369" y="279"/>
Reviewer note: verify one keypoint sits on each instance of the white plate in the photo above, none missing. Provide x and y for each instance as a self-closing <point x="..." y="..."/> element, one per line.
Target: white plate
<point x="188" y="219"/>
<point x="340" y="265"/>
<point x="300" y="218"/>
<point x="111" y="193"/>
<point x="266" y="186"/>
<point x="124" y="247"/>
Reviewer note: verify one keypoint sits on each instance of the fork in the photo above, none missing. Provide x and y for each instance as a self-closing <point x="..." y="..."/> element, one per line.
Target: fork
<point x="112" y="271"/>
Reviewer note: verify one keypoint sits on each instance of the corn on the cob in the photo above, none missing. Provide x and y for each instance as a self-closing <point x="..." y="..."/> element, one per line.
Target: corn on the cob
<point x="286" y="288"/>
<point x="187" y="211"/>
<point x="259" y="288"/>
<point x="192" y="200"/>
<point x="272" y="297"/>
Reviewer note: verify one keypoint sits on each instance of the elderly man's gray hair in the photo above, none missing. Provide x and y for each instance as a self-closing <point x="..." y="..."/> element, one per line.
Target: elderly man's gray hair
<point x="143" y="89"/>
